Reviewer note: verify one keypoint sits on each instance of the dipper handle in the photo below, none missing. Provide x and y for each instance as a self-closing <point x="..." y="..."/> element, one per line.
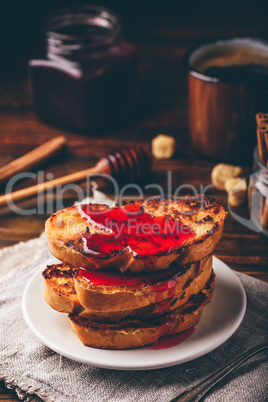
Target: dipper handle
<point x="127" y="164"/>
<point x="47" y="185"/>
<point x="32" y="159"/>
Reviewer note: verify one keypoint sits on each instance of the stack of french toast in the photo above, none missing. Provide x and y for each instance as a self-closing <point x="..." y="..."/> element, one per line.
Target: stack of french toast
<point x="133" y="273"/>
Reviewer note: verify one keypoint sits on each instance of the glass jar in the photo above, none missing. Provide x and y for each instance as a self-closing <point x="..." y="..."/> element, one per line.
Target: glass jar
<point x="258" y="194"/>
<point x="86" y="79"/>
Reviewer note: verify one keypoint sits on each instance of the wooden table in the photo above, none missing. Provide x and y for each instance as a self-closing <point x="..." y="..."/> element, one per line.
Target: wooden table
<point x="161" y="41"/>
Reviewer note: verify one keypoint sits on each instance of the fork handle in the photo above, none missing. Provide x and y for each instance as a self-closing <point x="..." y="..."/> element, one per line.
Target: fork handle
<point x="197" y="392"/>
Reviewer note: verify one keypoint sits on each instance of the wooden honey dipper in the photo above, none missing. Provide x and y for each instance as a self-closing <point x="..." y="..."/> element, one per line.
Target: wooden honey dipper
<point x="127" y="164"/>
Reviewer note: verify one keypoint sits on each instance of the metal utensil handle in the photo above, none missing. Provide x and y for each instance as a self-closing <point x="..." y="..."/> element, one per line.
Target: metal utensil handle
<point x="195" y="393"/>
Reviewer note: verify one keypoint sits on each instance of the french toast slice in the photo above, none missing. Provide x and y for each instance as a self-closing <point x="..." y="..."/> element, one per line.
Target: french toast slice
<point x="149" y="237"/>
<point x="140" y="296"/>
<point x="134" y="333"/>
<point x="117" y="292"/>
<point x="194" y="286"/>
<point x="59" y="289"/>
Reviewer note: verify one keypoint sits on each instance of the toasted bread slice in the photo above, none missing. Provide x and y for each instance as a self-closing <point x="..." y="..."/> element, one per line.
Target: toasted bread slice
<point x="134" y="333"/>
<point x="118" y="292"/>
<point x="198" y="227"/>
<point x="59" y="290"/>
<point x="194" y="286"/>
<point x="111" y="303"/>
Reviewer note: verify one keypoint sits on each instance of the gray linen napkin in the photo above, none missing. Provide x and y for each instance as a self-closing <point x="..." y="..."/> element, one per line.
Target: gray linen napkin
<point x="36" y="372"/>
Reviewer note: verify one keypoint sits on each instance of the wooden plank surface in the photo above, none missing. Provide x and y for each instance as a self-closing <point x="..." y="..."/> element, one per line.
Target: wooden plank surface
<point x="163" y="108"/>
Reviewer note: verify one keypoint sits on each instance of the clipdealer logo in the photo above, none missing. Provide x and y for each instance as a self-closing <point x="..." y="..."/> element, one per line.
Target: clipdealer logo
<point x="51" y="199"/>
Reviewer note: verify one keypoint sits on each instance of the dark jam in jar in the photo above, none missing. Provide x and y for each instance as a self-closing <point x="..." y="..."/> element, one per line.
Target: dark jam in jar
<point x="87" y="78"/>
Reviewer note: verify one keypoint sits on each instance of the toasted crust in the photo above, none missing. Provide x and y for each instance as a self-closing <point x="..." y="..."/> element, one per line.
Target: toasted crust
<point x="128" y="334"/>
<point x="194" y="286"/>
<point x="151" y="290"/>
<point x="59" y="290"/>
<point x="66" y="229"/>
<point x="69" y="294"/>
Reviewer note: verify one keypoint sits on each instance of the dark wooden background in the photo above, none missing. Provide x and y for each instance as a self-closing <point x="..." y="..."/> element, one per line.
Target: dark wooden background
<point x="162" y="32"/>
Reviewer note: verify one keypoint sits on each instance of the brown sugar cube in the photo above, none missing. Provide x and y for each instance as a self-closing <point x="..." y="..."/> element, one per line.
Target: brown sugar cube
<point x="236" y="188"/>
<point x="221" y="172"/>
<point x="163" y="146"/>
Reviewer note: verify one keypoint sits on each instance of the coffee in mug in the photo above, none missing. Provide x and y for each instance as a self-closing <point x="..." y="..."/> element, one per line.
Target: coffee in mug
<point x="228" y="85"/>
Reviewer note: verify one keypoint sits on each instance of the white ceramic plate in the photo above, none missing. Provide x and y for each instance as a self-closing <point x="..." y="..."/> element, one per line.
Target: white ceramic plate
<point x="220" y="319"/>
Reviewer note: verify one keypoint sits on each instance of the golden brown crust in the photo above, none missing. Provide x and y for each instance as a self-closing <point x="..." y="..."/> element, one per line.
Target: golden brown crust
<point x="59" y="290"/>
<point x="120" y="298"/>
<point x="193" y="287"/>
<point x="66" y="228"/>
<point x="112" y="303"/>
<point x="128" y="334"/>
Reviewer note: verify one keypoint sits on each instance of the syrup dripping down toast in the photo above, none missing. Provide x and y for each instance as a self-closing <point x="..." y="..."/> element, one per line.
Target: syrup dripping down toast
<point x="133" y="333"/>
<point x="113" y="298"/>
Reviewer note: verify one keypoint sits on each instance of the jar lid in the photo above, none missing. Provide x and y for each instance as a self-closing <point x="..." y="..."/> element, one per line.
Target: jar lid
<point x="76" y="28"/>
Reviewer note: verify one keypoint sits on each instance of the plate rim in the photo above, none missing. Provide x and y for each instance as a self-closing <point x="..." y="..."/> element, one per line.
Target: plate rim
<point x="119" y="366"/>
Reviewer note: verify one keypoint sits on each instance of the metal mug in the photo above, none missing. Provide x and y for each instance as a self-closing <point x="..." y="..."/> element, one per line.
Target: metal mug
<point x="228" y="85"/>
